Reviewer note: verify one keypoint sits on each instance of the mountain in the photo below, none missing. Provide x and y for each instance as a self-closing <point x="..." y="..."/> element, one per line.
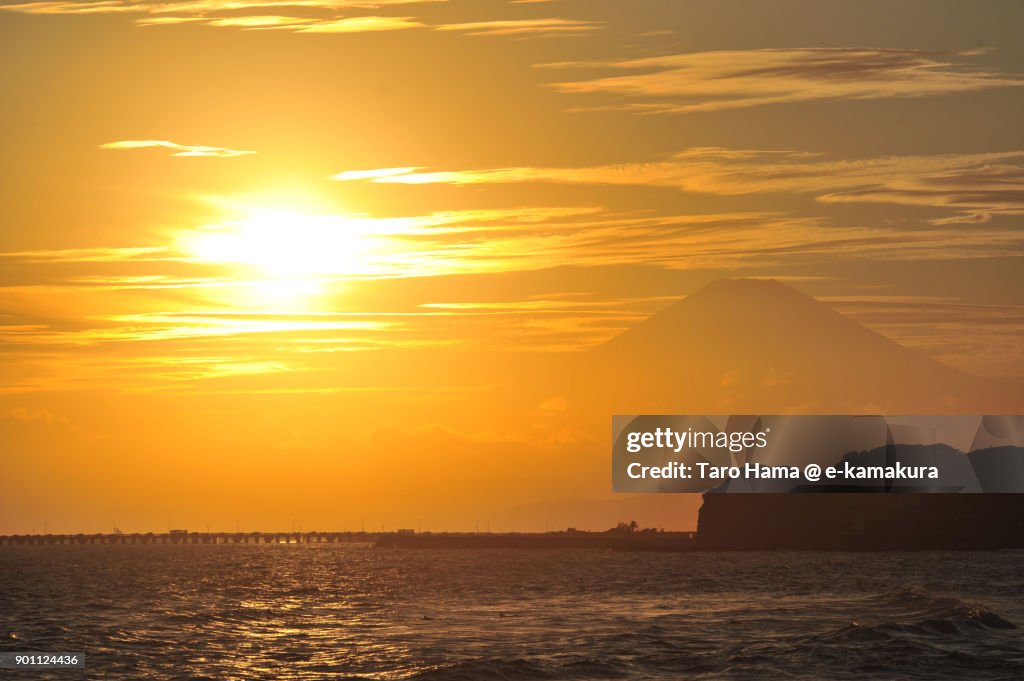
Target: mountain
<point x="750" y="345"/>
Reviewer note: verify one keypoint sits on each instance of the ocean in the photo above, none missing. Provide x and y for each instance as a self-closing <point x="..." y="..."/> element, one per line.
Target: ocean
<point x="356" y="612"/>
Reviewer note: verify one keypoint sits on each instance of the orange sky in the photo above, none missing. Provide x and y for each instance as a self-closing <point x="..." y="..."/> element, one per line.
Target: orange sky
<point x="274" y="261"/>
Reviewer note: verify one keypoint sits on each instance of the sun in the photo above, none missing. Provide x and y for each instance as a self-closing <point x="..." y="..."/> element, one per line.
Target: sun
<point x="286" y="255"/>
<point x="287" y="243"/>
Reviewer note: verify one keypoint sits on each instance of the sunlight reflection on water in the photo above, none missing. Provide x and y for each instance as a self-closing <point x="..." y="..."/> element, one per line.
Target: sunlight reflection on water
<point x="311" y="612"/>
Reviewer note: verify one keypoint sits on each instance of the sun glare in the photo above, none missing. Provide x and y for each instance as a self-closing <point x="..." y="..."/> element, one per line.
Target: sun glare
<point x="288" y="256"/>
<point x="288" y="244"/>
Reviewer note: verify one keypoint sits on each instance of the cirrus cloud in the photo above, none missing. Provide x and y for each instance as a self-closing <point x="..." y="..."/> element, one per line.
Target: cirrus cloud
<point x="317" y="16"/>
<point x="550" y="26"/>
<point x="178" y="149"/>
<point x="695" y="82"/>
<point x="973" y="187"/>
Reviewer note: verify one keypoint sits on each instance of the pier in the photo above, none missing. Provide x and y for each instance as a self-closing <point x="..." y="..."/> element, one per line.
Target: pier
<point x="402" y="539"/>
<point x="185" y="537"/>
<point x="614" y="541"/>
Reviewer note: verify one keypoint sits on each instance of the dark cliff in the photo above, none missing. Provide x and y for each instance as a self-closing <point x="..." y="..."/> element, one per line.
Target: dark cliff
<point x="861" y="522"/>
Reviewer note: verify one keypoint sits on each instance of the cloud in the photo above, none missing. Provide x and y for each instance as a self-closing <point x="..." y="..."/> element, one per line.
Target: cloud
<point x="178" y="149"/>
<point x="980" y="339"/>
<point x="364" y="24"/>
<point x="245" y="15"/>
<point x="206" y="6"/>
<point x="257" y="21"/>
<point x="698" y="169"/>
<point x="373" y="174"/>
<point x="26" y="415"/>
<point x="975" y="187"/>
<point x="361" y="25"/>
<point x="712" y="81"/>
<point x="81" y="255"/>
<point x="166" y="21"/>
<point x="523" y="27"/>
<point x="274" y="14"/>
<point x="196" y="7"/>
<point x="175" y="326"/>
<point x="58" y="7"/>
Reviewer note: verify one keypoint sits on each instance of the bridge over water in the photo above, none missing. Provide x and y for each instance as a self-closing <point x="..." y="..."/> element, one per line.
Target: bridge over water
<point x="184" y="537"/>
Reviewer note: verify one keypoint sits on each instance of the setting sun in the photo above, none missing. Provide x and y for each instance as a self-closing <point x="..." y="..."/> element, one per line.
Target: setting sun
<point x="287" y="244"/>
<point x="287" y="257"/>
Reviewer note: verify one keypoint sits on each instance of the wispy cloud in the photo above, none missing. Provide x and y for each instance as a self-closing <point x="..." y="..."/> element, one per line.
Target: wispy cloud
<point x="711" y="81"/>
<point x="373" y="174"/>
<point x="974" y="187"/>
<point x="550" y="26"/>
<point x="137" y="254"/>
<point x="60" y="7"/>
<point x="361" y="25"/>
<point x="237" y="14"/>
<point x="317" y="16"/>
<point x="366" y="24"/>
<point x="178" y="149"/>
<point x="309" y="16"/>
<point x="191" y="6"/>
<point x="256" y="21"/>
<point x="163" y="326"/>
<point x="982" y="339"/>
<point x="40" y="416"/>
<point x="167" y="21"/>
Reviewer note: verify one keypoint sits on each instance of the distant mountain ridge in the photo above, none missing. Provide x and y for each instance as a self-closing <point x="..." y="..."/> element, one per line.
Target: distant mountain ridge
<point x="760" y="345"/>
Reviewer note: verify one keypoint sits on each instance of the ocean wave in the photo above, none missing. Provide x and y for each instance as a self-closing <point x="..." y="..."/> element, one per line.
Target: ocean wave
<point x="488" y="670"/>
<point x="916" y="612"/>
<point x="522" y="669"/>
<point x="935" y="609"/>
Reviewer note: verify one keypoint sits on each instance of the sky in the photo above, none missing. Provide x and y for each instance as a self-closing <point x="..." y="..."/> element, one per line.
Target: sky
<point x="275" y="262"/>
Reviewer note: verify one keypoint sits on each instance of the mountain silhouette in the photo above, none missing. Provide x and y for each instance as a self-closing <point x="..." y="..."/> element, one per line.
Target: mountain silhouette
<point x="760" y="346"/>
